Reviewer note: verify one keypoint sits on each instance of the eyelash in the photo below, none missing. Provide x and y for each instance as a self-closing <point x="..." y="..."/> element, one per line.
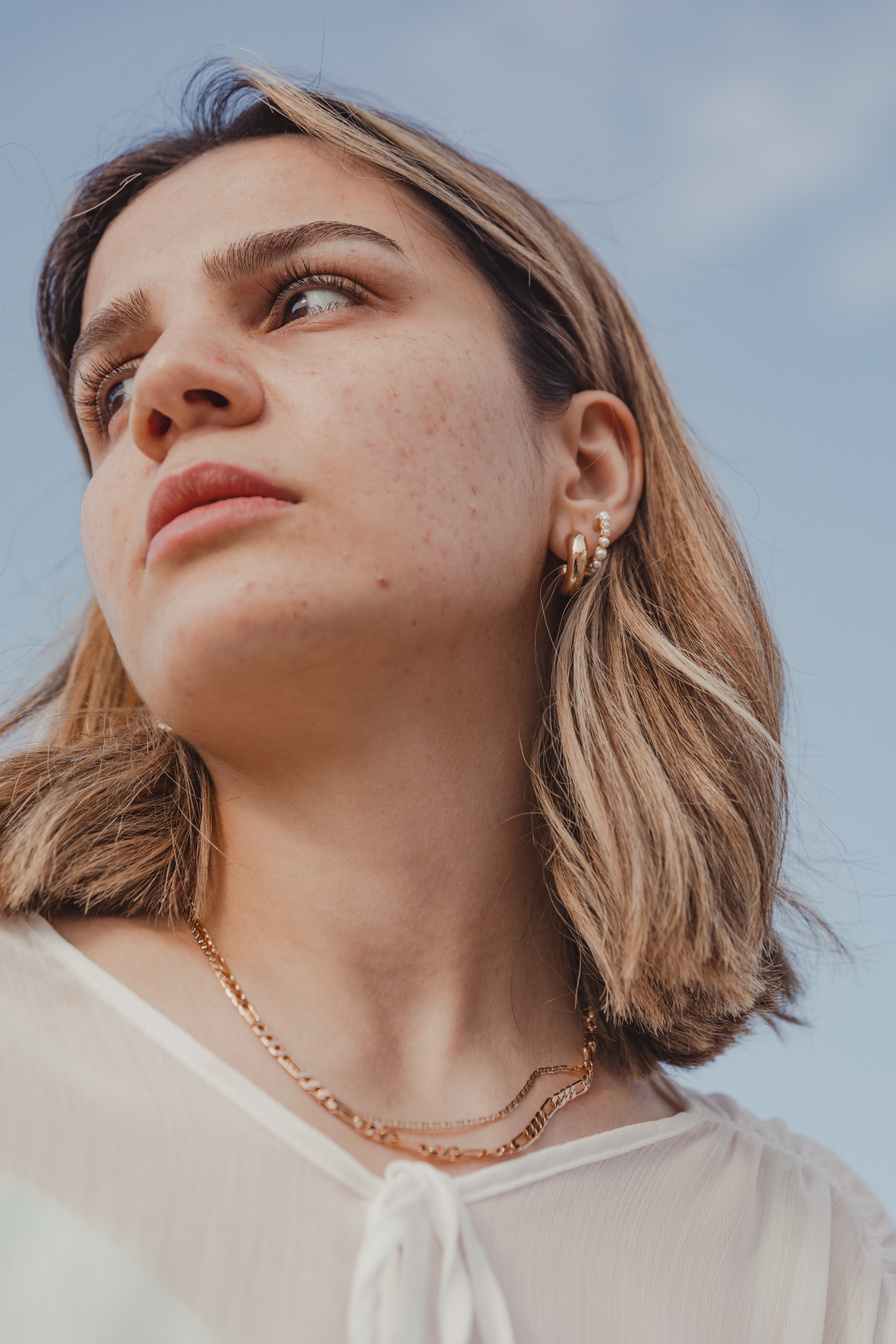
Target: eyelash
<point x="284" y="284"/>
<point x="89" y="408"/>
<point x="280" y="289"/>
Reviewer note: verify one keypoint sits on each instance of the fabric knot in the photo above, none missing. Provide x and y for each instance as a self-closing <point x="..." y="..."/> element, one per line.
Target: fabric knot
<point x="418" y="1219"/>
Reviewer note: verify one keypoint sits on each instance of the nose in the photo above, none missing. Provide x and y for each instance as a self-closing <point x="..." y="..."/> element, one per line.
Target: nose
<point x="185" y="385"/>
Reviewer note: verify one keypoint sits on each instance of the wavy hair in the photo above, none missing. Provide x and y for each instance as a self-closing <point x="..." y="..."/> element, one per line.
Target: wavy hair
<point x="658" y="779"/>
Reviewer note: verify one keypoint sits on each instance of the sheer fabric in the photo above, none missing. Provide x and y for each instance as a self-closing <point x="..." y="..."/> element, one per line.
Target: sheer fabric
<point x="149" y="1192"/>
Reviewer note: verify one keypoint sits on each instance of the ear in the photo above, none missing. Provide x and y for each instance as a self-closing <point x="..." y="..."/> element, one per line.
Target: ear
<point x="599" y="468"/>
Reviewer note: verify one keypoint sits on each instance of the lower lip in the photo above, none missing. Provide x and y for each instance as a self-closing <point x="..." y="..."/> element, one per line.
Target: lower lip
<point x="207" y="520"/>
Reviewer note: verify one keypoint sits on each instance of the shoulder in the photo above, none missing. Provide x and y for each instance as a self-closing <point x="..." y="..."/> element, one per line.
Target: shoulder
<point x="64" y="1019"/>
<point x="49" y="1006"/>
<point x="26" y="955"/>
<point x="39" y="970"/>
<point x="784" y="1149"/>
<point x="800" y="1183"/>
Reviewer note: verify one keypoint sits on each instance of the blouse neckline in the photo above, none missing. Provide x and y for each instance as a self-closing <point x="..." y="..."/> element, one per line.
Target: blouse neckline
<point x="315" y="1146"/>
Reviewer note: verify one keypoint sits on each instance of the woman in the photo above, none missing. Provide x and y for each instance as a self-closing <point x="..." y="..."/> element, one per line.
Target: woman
<point x="428" y="717"/>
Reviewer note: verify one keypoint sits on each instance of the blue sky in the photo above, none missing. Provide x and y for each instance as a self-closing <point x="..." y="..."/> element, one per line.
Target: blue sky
<point x="734" y="165"/>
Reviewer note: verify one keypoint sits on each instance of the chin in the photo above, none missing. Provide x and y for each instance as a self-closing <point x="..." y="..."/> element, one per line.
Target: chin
<point x="216" y="659"/>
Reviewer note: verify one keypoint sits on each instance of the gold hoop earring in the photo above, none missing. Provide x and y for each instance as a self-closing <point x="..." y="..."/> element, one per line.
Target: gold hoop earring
<point x="573" y="571"/>
<point x="578" y="567"/>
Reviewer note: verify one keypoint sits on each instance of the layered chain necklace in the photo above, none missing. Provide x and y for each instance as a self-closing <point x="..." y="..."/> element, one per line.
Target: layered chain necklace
<point x="390" y="1133"/>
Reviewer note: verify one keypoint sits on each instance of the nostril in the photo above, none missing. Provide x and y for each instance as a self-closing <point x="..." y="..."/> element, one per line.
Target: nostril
<point x="159" y="424"/>
<point x="206" y="394"/>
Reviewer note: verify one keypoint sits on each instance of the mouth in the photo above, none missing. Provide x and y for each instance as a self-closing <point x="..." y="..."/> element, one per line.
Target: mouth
<point x="207" y="498"/>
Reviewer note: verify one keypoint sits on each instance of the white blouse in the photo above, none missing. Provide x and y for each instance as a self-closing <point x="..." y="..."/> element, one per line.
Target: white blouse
<point x="150" y="1194"/>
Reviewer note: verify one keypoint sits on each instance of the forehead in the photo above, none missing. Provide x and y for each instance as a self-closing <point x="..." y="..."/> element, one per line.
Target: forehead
<point x="239" y="190"/>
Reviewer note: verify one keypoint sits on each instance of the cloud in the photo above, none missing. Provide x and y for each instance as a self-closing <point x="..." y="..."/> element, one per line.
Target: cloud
<point x="753" y="154"/>
<point x="778" y="123"/>
<point x="716" y="122"/>
<point x="863" y="267"/>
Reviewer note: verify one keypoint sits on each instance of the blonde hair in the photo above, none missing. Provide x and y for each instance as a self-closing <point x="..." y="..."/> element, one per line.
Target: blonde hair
<point x="658" y="777"/>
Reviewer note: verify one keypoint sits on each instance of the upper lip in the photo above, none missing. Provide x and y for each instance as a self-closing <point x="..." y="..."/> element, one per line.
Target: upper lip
<point x="203" y="484"/>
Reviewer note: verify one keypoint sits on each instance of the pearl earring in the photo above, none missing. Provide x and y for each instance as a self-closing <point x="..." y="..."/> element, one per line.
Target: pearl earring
<point x="602" y="527"/>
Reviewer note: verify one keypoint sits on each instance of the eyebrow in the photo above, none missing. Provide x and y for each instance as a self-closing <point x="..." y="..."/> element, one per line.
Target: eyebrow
<point x="240" y="261"/>
<point x="245" y="259"/>
<point x="109" y="325"/>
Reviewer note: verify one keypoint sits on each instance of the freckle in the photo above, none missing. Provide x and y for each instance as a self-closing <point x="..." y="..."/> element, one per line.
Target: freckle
<point x="382" y="581"/>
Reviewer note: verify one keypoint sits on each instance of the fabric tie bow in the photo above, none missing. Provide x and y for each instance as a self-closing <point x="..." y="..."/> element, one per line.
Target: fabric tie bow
<point x="417" y="1215"/>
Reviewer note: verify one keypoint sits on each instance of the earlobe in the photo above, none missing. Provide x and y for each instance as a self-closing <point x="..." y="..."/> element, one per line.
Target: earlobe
<point x="600" y="469"/>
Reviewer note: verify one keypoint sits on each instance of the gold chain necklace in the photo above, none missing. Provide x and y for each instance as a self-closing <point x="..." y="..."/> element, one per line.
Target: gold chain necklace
<point x="388" y="1132"/>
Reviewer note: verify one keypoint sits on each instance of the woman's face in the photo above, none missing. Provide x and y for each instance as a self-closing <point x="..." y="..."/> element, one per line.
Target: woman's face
<point x="273" y="309"/>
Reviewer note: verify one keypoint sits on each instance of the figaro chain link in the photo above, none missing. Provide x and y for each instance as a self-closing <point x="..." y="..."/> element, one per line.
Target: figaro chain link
<point x="388" y="1133"/>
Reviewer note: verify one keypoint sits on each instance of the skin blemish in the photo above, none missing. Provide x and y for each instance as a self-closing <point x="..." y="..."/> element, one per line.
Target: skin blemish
<point x="382" y="581"/>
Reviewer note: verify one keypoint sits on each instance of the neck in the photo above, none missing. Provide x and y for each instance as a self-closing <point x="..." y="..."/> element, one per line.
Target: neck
<point x="378" y="894"/>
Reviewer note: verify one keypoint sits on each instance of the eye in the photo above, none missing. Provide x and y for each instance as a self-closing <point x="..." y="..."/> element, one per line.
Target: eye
<point x="306" y="302"/>
<point x="114" y="393"/>
<point x="107" y="387"/>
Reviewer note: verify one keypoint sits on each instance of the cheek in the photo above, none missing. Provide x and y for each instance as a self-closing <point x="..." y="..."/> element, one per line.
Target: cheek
<point x="428" y="434"/>
<point x="104" y="530"/>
